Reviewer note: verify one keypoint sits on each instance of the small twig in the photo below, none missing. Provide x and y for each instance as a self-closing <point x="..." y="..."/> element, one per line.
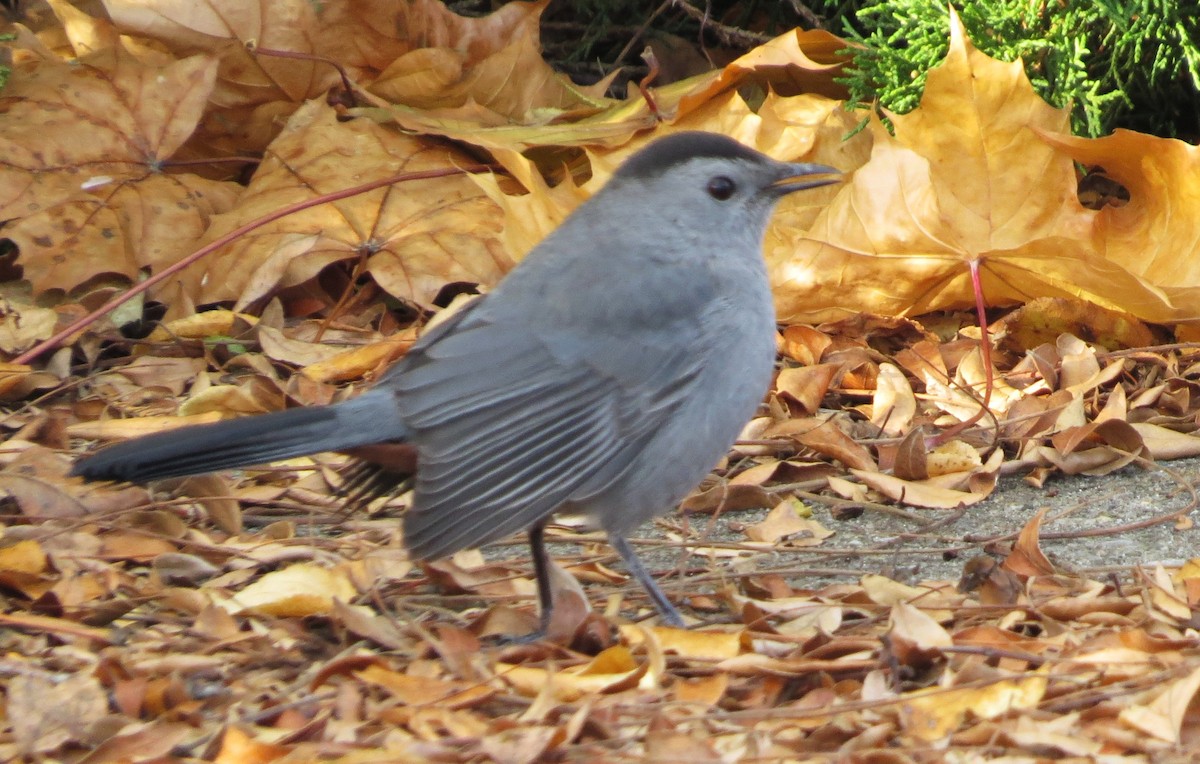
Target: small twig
<point x="887" y="509"/>
<point x="644" y="84"/>
<point x="641" y="31"/>
<point x="807" y="15"/>
<point x="731" y="36"/>
<point x="347" y="83"/>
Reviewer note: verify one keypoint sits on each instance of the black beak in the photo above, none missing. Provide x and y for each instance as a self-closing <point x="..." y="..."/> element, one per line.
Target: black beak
<point x="798" y="176"/>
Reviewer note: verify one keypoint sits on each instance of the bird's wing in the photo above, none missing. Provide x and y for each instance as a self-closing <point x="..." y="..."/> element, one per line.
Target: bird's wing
<point x="507" y="428"/>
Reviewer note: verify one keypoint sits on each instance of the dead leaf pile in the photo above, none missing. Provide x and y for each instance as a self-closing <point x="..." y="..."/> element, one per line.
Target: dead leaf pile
<point x="240" y="617"/>
<point x="147" y="638"/>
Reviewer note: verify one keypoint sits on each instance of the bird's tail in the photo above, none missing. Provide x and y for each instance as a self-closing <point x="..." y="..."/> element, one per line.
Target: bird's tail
<point x="367" y="419"/>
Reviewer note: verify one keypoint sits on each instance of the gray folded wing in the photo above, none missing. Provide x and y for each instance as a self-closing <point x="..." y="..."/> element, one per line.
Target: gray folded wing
<point x="509" y="427"/>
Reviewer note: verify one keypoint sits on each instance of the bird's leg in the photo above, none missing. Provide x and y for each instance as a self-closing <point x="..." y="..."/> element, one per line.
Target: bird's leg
<point x="635" y="567"/>
<point x="541" y="572"/>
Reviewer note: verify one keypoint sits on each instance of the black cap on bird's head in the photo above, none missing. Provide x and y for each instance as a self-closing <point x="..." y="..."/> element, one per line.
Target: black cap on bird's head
<point x="664" y="153"/>
<point x="675" y="149"/>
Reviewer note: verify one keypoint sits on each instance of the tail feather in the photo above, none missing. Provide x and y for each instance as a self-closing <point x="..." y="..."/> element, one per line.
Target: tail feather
<point x="370" y="418"/>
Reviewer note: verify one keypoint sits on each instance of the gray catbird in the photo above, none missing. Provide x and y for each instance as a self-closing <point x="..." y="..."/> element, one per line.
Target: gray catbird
<point x="605" y="375"/>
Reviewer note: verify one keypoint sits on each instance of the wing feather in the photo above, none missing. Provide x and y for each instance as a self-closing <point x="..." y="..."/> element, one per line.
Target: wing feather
<point x="527" y="424"/>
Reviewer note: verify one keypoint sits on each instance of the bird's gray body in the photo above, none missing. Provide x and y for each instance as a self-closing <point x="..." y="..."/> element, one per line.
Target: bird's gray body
<point x="606" y="374"/>
<point x="616" y="395"/>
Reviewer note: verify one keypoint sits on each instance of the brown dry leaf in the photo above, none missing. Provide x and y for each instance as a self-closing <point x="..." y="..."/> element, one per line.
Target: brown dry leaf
<point x="413" y="238"/>
<point x="239" y="747"/>
<point x="799" y="61"/>
<point x="440" y="68"/>
<point x="253" y="93"/>
<point x="794" y="63"/>
<point x="24" y="557"/>
<point x="1164" y="718"/>
<point x="426" y="691"/>
<point x="121" y="429"/>
<point x="296" y="591"/>
<point x="968" y="178"/>
<point x="1060" y="735"/>
<point x="22" y="325"/>
<point x="705" y="691"/>
<point x="489" y="64"/>
<point x="466" y="571"/>
<point x="254" y="395"/>
<point x="931" y="715"/>
<point x="790" y="471"/>
<point x="355" y="363"/>
<point x="1164" y="600"/>
<point x="784" y="521"/>
<point x="1103" y="446"/>
<point x="914" y="637"/>
<point x="893" y="404"/>
<point x="214" y="494"/>
<point x="279" y="347"/>
<point x="36" y="482"/>
<point x="112" y="113"/>
<point x="210" y="323"/>
<point x="807" y="386"/>
<point x="1027" y="558"/>
<point x="15" y="380"/>
<point x="804" y="344"/>
<point x="728" y="497"/>
<point x="1044" y="319"/>
<point x="1155" y="236"/>
<point x="703" y="645"/>
<point x="142" y="741"/>
<point x="611" y="671"/>
<point x="948" y="491"/>
<point x="46" y="712"/>
<point x="24" y="566"/>
<point x="995" y="586"/>
<point x="1164" y="443"/>
<point x="82" y="165"/>
<point x="570" y="605"/>
<point x="952" y="457"/>
<point x="149" y="374"/>
<point x="937" y="603"/>
<point x="823" y="436"/>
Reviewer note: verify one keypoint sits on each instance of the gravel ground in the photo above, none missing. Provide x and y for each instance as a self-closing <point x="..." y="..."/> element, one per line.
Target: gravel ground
<point x="874" y="542"/>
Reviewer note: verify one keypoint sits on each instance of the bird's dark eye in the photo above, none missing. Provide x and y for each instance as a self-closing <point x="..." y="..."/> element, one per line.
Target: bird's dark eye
<point x="721" y="187"/>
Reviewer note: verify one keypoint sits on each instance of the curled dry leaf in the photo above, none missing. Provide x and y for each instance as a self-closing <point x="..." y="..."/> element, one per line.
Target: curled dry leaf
<point x="893" y="404"/>
<point x="1027" y="558"/>
<point x="949" y="491"/>
<point x="914" y="637"/>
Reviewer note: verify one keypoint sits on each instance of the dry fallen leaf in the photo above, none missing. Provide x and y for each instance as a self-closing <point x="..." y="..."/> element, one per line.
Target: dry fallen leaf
<point x="969" y="178"/>
<point x="413" y="238"/>
<point x="82" y="166"/>
<point x="139" y="600"/>
<point x="296" y="591"/>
